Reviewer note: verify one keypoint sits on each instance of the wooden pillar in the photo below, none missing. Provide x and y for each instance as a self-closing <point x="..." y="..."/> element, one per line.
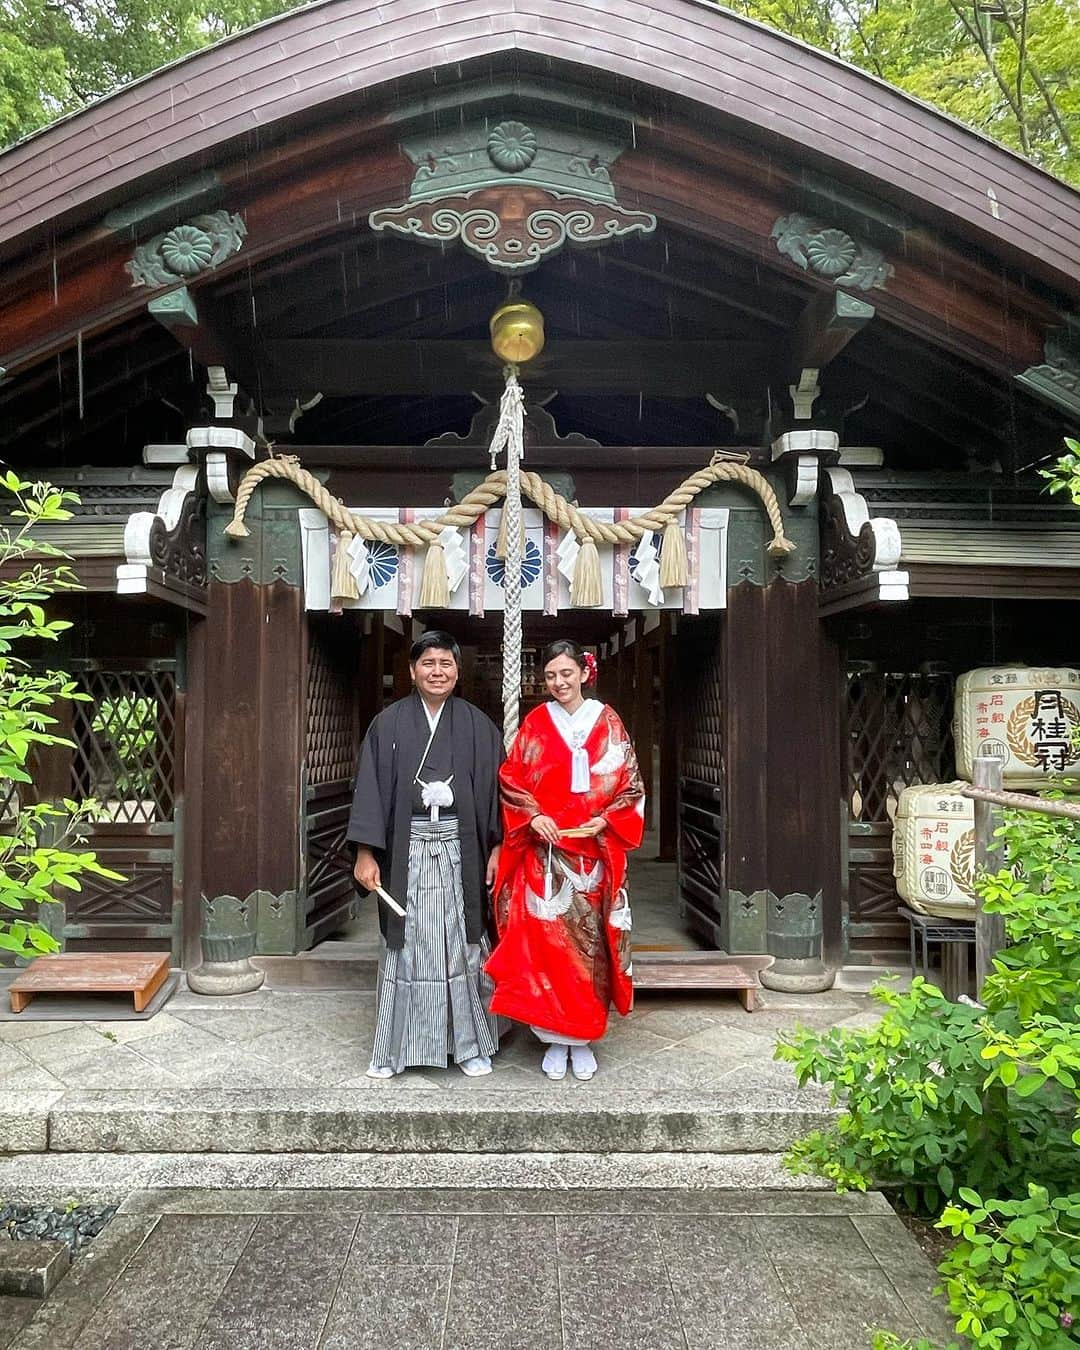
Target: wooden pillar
<point x="668" y="736"/>
<point x="369" y="674"/>
<point x="643" y="716"/>
<point x="254" y="737"/>
<point x="196" y="706"/>
<point x="781" y="776"/>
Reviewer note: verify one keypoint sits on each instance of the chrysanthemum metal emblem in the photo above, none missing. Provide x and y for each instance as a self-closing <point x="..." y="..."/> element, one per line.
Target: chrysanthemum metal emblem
<point x="383" y="561"/>
<point x="831" y="252"/>
<point x="187" y="250"/>
<point x="512" y="146"/>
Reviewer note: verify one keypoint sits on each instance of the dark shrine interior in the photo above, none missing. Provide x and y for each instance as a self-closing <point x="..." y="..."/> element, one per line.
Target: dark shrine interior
<point x="658" y="342"/>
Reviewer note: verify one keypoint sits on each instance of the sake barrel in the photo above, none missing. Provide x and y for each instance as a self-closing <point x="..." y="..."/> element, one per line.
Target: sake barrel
<point x="934" y="850"/>
<point x="1025" y="716"/>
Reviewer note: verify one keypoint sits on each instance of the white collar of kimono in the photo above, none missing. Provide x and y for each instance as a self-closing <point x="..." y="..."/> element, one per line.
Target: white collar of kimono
<point x="432" y="717"/>
<point x="438" y="793"/>
<point x="575" y="729"/>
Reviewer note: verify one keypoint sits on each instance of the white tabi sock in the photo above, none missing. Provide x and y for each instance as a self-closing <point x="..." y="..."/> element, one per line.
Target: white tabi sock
<point x="583" y="1061"/>
<point x="380" y="1071"/>
<point x="475" y="1068"/>
<point x="554" y="1062"/>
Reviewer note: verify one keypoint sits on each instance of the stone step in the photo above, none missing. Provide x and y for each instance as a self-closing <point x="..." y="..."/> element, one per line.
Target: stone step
<point x="391" y="1118"/>
<point x="257" y="1183"/>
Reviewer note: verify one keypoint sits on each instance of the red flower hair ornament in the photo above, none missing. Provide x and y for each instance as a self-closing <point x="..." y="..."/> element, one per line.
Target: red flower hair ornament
<point x="590" y="669"/>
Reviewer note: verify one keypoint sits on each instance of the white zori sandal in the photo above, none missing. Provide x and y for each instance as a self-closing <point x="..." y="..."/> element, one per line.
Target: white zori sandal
<point x="554" y="1062"/>
<point x="583" y="1061"/>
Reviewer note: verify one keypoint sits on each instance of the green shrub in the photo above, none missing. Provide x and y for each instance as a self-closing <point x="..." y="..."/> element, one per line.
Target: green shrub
<point x="952" y="1102"/>
<point x="39" y="841"/>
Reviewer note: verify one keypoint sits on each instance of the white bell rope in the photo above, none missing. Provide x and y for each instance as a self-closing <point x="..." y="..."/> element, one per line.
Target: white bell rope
<point x="510" y="436"/>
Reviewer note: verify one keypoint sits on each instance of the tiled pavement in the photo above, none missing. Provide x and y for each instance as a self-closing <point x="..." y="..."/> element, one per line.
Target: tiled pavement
<point x="495" y="1270"/>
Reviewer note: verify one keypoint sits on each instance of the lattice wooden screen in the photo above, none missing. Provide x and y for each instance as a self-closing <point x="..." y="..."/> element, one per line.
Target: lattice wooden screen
<point x="703" y="737"/>
<point x="899" y="733"/>
<point x="331" y="706"/>
<point x="125" y="737"/>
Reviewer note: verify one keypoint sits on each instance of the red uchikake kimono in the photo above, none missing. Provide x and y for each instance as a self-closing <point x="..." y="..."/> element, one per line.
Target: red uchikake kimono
<point x="563" y="919"/>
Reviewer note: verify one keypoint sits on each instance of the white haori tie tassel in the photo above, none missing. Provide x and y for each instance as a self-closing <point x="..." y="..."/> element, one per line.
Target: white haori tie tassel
<point x="436" y="795"/>
<point x="580" y="773"/>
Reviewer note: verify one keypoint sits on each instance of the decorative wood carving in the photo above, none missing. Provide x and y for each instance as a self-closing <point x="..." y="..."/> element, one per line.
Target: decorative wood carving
<point x="171" y="540"/>
<point x="513" y="194"/>
<point x="540" y="429"/>
<point x="1057" y="380"/>
<point x="830" y="253"/>
<point x="853" y="545"/>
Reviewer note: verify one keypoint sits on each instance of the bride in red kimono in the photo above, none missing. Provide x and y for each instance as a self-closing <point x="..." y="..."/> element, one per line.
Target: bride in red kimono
<point x="573" y="805"/>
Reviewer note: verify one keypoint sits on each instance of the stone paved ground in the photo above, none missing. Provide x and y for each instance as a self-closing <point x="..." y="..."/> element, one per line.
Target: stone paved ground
<point x="322" y="1039"/>
<point x="634" y="1223"/>
<point x="490" y="1270"/>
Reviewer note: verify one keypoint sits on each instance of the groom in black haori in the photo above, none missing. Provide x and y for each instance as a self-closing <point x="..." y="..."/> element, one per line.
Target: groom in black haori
<point x="425" y="822"/>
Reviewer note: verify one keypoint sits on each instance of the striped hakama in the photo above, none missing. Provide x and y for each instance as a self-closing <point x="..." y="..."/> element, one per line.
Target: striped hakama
<point x="433" y="995"/>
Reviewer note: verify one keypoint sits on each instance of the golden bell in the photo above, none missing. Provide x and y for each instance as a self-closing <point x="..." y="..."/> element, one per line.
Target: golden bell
<point x="517" y="332"/>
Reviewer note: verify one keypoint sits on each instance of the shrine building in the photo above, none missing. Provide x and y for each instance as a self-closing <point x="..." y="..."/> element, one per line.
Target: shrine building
<point x="843" y="324"/>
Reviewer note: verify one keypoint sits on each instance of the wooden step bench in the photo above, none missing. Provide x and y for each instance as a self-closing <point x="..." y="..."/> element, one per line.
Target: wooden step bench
<point x="676" y="971"/>
<point x="139" y="973"/>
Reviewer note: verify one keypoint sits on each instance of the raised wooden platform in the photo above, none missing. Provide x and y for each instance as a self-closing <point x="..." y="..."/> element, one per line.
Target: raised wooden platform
<point x="139" y="973"/>
<point x="701" y="970"/>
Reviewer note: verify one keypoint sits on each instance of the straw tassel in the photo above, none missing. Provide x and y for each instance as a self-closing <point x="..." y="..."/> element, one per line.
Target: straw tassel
<point x="586" y="590"/>
<point x="236" y="529"/>
<point x="780" y="548"/>
<point x="342" y="581"/>
<point x="674" y="565"/>
<point x="434" y="584"/>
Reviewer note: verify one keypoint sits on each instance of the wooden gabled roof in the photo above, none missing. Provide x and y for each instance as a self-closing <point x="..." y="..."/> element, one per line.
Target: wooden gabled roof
<point x="241" y="92"/>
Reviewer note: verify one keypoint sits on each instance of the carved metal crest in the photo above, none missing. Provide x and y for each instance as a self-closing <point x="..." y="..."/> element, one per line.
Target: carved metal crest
<point x="831" y="253"/>
<point x="513" y="194"/>
<point x="179" y="254"/>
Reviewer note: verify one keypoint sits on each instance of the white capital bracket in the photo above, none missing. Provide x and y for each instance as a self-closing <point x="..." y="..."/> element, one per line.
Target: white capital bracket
<point x="221" y="391"/>
<point x="805" y="393"/>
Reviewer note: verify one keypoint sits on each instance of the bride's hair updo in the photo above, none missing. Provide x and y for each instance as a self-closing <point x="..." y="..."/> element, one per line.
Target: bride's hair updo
<point x="564" y="647"/>
<point x="576" y="653"/>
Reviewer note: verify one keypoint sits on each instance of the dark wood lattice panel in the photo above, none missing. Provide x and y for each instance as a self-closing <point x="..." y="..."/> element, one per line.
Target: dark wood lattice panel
<point x="331" y="705"/>
<point x="126" y="744"/>
<point x="899" y="733"/>
<point x="872" y="890"/>
<point x="143" y="898"/>
<point x="899" y="726"/>
<point x="700" y="845"/>
<point x="703" y="741"/>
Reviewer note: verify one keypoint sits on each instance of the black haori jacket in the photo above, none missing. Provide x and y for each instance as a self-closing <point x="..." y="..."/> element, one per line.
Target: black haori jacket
<point x="383" y="801"/>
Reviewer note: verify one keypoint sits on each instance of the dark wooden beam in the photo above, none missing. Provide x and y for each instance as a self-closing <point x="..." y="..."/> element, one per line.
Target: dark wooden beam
<point x="825" y="327"/>
<point x="198" y="326"/>
<point x="344" y="368"/>
<point x="438" y="458"/>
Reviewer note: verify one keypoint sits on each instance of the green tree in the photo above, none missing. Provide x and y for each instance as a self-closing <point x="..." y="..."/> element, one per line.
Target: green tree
<point x="1005" y="68"/>
<point x="57" y="55"/>
<point x="40" y="842"/>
